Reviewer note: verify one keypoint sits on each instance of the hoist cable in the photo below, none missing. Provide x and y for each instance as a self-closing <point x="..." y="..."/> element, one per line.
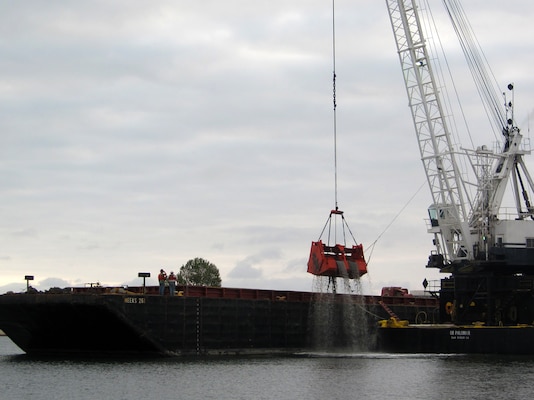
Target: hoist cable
<point x="334" y="98"/>
<point x="372" y="245"/>
<point x="477" y="63"/>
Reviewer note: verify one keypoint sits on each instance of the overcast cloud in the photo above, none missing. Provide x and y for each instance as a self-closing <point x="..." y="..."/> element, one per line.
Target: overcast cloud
<point x="137" y="135"/>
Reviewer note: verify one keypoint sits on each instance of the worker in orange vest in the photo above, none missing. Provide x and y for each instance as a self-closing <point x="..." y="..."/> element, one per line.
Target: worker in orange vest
<point x="162" y="278"/>
<point x="172" y="283"/>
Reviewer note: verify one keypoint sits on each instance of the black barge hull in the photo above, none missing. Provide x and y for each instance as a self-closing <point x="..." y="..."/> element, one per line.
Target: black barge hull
<point x="106" y="324"/>
<point x="453" y="339"/>
<point x="200" y="321"/>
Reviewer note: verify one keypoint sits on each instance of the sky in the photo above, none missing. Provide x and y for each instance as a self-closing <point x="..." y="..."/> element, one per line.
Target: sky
<point x="138" y="135"/>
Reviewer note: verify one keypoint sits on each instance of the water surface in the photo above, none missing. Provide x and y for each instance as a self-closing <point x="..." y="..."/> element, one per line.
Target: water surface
<point x="304" y="376"/>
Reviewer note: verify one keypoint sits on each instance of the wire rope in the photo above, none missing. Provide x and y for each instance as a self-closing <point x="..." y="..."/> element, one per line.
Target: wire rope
<point x="334" y="98"/>
<point x="372" y="245"/>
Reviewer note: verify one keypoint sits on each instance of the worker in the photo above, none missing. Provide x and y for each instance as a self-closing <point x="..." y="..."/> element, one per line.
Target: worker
<point x="172" y="283"/>
<point x="162" y="278"/>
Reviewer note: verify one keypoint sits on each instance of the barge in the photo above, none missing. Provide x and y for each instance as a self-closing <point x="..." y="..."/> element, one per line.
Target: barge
<point x="198" y="320"/>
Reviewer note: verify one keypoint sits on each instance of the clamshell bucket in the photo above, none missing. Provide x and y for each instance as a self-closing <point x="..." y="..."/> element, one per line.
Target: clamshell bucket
<point x="337" y="261"/>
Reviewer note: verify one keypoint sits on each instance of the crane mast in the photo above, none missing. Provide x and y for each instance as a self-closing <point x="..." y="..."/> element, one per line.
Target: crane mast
<point x="448" y="213"/>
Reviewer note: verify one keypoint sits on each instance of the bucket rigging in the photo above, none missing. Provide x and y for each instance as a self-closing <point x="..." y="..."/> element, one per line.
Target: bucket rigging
<point x="333" y="259"/>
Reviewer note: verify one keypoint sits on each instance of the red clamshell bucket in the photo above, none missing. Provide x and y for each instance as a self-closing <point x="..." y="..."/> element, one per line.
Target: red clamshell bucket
<point x="337" y="261"/>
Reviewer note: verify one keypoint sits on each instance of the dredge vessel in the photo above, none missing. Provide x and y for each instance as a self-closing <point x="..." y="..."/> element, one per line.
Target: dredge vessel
<point x="486" y="303"/>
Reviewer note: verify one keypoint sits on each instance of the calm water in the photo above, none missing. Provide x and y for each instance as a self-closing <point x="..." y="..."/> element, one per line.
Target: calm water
<point x="321" y="376"/>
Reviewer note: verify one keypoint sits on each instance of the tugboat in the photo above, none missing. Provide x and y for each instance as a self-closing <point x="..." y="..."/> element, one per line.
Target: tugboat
<point x="486" y="303"/>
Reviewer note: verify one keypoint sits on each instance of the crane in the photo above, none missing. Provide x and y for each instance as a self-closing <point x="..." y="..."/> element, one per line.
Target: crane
<point x="488" y="250"/>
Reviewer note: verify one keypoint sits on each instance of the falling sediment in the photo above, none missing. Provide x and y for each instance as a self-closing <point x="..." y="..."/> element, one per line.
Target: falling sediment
<point x="338" y="318"/>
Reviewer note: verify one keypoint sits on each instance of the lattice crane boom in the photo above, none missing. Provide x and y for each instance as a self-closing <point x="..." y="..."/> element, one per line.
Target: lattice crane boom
<point x="449" y="210"/>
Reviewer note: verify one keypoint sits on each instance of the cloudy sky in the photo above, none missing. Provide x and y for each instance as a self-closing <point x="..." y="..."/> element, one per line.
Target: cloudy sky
<point x="137" y="135"/>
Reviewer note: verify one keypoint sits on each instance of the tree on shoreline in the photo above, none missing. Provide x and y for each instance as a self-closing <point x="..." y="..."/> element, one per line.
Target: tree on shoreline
<point x="199" y="272"/>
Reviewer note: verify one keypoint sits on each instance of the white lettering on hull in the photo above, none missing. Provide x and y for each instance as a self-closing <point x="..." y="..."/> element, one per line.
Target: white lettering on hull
<point x="134" y="300"/>
<point x="460" y="334"/>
